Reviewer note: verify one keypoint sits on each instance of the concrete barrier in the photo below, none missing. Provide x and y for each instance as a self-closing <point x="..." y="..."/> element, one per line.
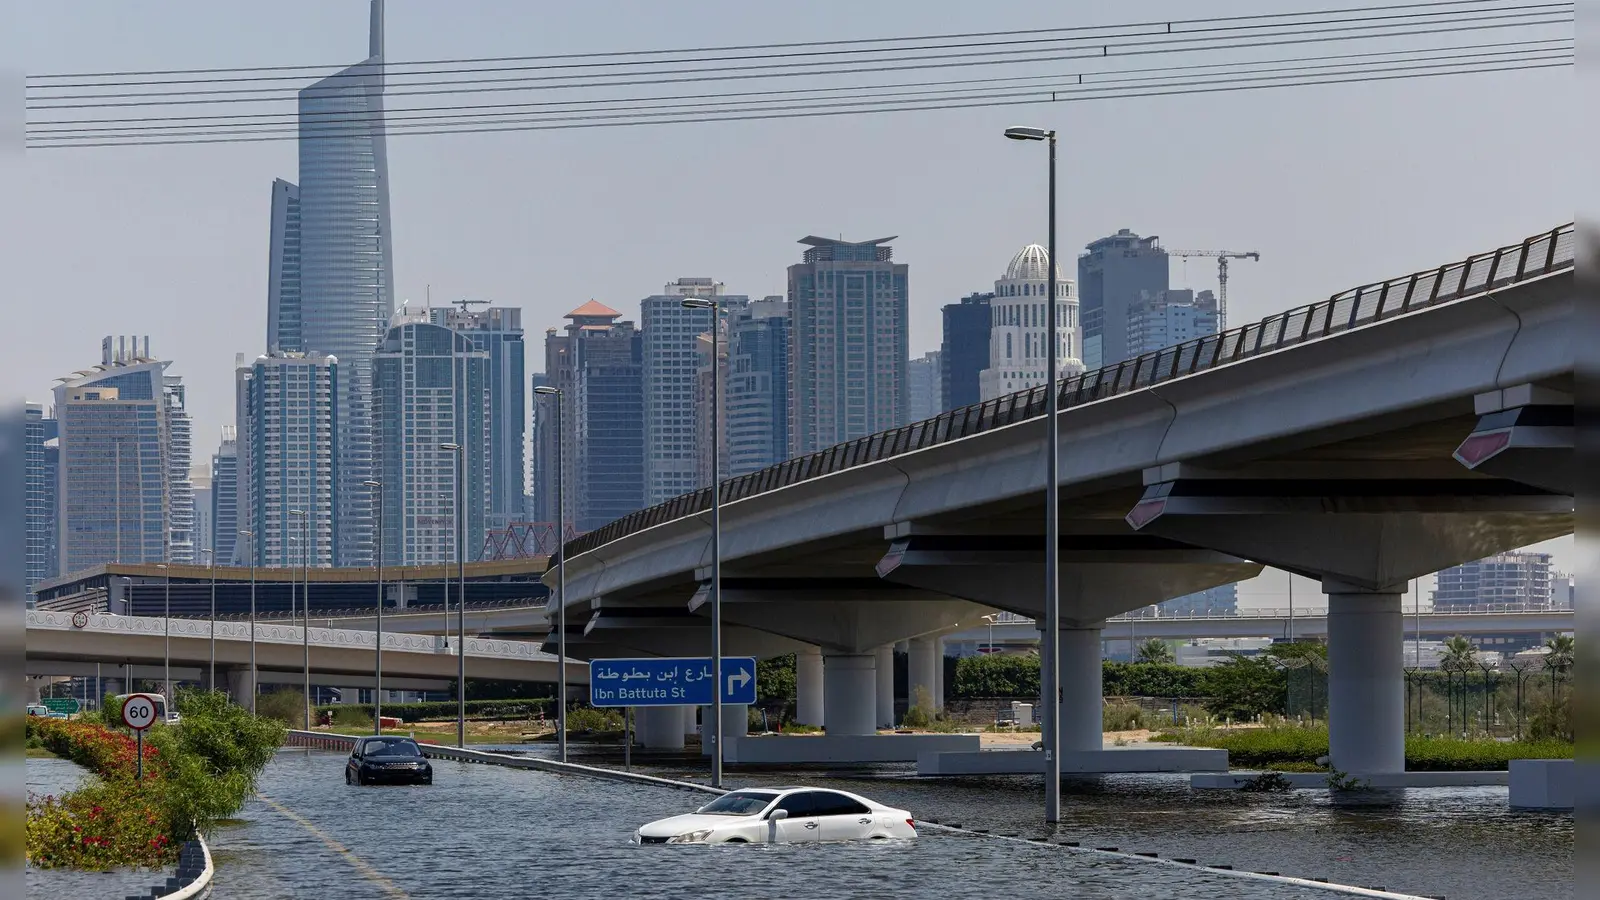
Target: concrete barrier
<point x="1074" y="762"/>
<point x="843" y="749"/>
<point x="192" y="880"/>
<point x="1544" y="784"/>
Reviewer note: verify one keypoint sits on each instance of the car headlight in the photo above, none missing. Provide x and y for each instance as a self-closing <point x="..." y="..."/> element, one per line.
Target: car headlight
<point x="692" y="837"/>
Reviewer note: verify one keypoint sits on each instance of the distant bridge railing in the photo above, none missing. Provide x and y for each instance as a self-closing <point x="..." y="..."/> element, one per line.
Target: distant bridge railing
<point x="1299" y="612"/>
<point x="358" y="612"/>
<point x="1539" y="255"/>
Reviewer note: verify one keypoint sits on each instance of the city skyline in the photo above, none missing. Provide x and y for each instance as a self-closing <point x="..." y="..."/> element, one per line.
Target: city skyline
<point x="1277" y="208"/>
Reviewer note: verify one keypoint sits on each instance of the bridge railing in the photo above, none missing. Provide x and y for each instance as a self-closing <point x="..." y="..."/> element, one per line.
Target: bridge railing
<point x="1150" y="614"/>
<point x="1538" y="255"/>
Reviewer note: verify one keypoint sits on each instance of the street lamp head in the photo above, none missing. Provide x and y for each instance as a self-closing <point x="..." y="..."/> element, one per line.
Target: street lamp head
<point x="1028" y="133"/>
<point x="161" y="565"/>
<point x="297" y="512"/>
<point x="246" y="533"/>
<point x="546" y="390"/>
<point x="453" y="448"/>
<point x="698" y="303"/>
<point x="372" y="484"/>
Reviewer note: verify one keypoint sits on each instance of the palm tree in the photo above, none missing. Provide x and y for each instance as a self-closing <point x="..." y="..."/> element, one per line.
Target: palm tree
<point x="1561" y="651"/>
<point x="1459" y="652"/>
<point x="1155" y="650"/>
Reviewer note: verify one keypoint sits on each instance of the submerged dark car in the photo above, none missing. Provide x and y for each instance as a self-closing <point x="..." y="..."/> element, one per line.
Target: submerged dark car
<point x="387" y="760"/>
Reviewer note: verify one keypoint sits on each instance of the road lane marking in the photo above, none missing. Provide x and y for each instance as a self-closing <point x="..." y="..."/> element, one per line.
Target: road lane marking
<point x="349" y="856"/>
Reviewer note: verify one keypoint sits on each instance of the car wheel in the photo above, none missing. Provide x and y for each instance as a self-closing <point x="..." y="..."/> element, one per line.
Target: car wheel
<point x="736" y="841"/>
<point x="361" y="779"/>
<point x="347" y="777"/>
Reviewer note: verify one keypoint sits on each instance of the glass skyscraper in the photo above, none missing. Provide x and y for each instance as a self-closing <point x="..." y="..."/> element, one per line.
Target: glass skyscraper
<point x="850" y="342"/>
<point x="497" y="331"/>
<point x="41" y="457"/>
<point x="964" y="354"/>
<point x="292" y="421"/>
<point x="430" y="387"/>
<point x="757" y="403"/>
<point x="1113" y="275"/>
<point x="608" y="425"/>
<point x="225" y="500"/>
<point x="333" y="229"/>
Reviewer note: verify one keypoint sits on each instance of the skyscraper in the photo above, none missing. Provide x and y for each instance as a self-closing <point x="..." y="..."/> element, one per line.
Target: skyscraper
<point x="757" y="403"/>
<point x="497" y="331"/>
<point x="291" y="417"/>
<point x="1018" y="337"/>
<point x="41" y="458"/>
<point x="204" y="533"/>
<point x="283" y="271"/>
<point x="1158" y="321"/>
<point x="670" y="372"/>
<point x="1220" y="600"/>
<point x="345" y="262"/>
<point x="430" y="387"/>
<point x="964" y="354"/>
<point x="850" y="341"/>
<point x="1112" y="276"/>
<point x="606" y="456"/>
<point x="926" y="383"/>
<point x="225" y="500"/>
<point x="711" y="389"/>
<point x="124" y="439"/>
<point x="1518" y="579"/>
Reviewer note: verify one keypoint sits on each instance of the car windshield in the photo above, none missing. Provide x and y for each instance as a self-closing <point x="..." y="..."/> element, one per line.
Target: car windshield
<point x="391" y="748"/>
<point x="738" y="803"/>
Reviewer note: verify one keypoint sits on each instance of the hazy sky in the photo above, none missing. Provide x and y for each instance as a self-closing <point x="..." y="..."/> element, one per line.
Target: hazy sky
<point x="1335" y="186"/>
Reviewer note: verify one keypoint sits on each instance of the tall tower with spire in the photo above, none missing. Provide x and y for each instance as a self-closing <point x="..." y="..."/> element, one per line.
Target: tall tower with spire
<point x="332" y="266"/>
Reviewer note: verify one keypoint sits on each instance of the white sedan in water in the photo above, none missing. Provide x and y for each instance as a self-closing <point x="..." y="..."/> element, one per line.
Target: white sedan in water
<point x="782" y="816"/>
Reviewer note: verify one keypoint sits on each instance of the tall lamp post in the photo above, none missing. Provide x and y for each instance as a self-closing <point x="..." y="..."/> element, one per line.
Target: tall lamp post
<point x="211" y="684"/>
<point x="1051" y="662"/>
<point x="166" y="637"/>
<point x="460" y="451"/>
<point x="251" y="537"/>
<point x="377" y="683"/>
<point x="715" y="306"/>
<point x="561" y="578"/>
<point x="305" y="602"/>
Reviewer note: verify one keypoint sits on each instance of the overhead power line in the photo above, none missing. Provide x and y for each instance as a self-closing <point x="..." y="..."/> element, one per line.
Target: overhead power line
<point x="816" y="110"/>
<point x="390" y="67"/>
<point x="1120" y="45"/>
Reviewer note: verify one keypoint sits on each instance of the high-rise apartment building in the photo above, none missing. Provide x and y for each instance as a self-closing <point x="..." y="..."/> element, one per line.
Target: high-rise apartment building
<point x="964" y="354"/>
<point x="1019" y="345"/>
<point x="225" y="500"/>
<point x="289" y="461"/>
<point x="925" y="387"/>
<point x="497" y="331"/>
<point x="1113" y="275"/>
<point x="757" y="404"/>
<point x="850" y="341"/>
<point x="1158" y="321"/>
<point x="204" y="532"/>
<point x="431" y="388"/>
<point x="671" y="364"/>
<point x="331" y="287"/>
<point x="711" y="388"/>
<point x="1518" y="579"/>
<point x="1220" y="600"/>
<point x="41" y="459"/>
<point x="123" y="492"/>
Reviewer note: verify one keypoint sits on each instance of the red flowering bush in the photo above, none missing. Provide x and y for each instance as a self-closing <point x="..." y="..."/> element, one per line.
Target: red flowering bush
<point x="103" y="825"/>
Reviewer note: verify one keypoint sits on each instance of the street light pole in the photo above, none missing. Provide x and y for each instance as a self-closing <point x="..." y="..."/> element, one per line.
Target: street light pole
<point x="715" y="305"/>
<point x="166" y="638"/>
<point x="251" y="535"/>
<point x="305" y="601"/>
<point x="460" y="451"/>
<point x="561" y="579"/>
<point x="1050" y="667"/>
<point x="377" y="683"/>
<point x="211" y="685"/>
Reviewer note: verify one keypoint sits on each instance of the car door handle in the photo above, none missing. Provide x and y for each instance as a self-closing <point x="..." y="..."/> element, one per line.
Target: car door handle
<point x="811" y="824"/>
<point x="865" y="821"/>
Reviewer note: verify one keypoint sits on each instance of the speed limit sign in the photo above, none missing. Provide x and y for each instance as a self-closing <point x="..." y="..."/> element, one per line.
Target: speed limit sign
<point x="139" y="711"/>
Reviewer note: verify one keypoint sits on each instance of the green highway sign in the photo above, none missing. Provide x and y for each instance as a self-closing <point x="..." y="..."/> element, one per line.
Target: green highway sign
<point x="68" y="705"/>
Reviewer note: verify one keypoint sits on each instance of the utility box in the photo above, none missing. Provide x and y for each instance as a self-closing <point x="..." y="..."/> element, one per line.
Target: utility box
<point x="1022" y="714"/>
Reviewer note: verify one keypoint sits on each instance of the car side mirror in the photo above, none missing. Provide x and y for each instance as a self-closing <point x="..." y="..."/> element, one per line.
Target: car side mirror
<point x="777" y="814"/>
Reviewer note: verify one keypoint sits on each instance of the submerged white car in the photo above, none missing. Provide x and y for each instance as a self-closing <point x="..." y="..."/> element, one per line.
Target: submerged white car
<point x="782" y="815"/>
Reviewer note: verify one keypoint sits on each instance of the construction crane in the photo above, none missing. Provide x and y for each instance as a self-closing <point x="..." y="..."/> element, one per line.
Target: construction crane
<point x="464" y="304"/>
<point x="1222" y="257"/>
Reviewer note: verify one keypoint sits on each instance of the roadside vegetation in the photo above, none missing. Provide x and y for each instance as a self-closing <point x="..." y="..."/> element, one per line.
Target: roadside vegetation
<point x="195" y="774"/>
<point x="1290" y="747"/>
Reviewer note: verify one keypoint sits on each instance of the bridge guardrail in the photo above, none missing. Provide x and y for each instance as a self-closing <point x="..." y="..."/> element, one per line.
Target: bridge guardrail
<point x="1303" y="612"/>
<point x="1539" y="255"/>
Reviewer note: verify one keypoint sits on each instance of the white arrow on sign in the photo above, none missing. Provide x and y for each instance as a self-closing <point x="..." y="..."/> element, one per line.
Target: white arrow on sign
<point x="743" y="678"/>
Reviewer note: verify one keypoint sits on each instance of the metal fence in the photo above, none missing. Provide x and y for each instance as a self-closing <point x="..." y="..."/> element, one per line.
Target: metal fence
<point x="1538" y="255"/>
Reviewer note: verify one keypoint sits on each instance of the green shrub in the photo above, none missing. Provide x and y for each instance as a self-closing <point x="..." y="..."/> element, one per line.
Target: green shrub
<point x="1296" y="748"/>
<point x="920" y="715"/>
<point x="286" y="706"/>
<point x="446" y="710"/>
<point x="1121" y="715"/>
<point x="586" y="719"/>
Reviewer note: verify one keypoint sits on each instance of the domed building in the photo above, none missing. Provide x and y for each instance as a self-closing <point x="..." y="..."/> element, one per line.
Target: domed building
<point x="1017" y="341"/>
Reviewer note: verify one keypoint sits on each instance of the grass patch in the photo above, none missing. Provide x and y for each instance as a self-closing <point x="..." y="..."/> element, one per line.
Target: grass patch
<point x="1290" y="748"/>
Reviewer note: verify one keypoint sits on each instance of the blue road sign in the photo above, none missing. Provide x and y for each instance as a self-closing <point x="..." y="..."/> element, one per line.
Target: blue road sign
<point x="669" y="682"/>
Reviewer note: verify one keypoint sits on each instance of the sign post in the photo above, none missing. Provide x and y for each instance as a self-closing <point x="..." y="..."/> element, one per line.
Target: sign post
<point x="139" y="713"/>
<point x="64" y="705"/>
<point x="670" y="681"/>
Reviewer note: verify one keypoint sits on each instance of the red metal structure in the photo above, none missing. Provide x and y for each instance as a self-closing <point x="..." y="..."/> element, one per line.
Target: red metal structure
<point x="522" y="540"/>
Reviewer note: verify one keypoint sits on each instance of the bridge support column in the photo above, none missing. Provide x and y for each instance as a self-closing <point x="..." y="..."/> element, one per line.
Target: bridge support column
<point x="35" y="689"/>
<point x="884" y="664"/>
<point x="691" y="720"/>
<point x="808" y="688"/>
<point x="659" y="727"/>
<point x="923" y="663"/>
<point x="1366" y="680"/>
<point x="241" y="686"/>
<point x="735" y="724"/>
<point x="1082" y="702"/>
<point x="850" y="690"/>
